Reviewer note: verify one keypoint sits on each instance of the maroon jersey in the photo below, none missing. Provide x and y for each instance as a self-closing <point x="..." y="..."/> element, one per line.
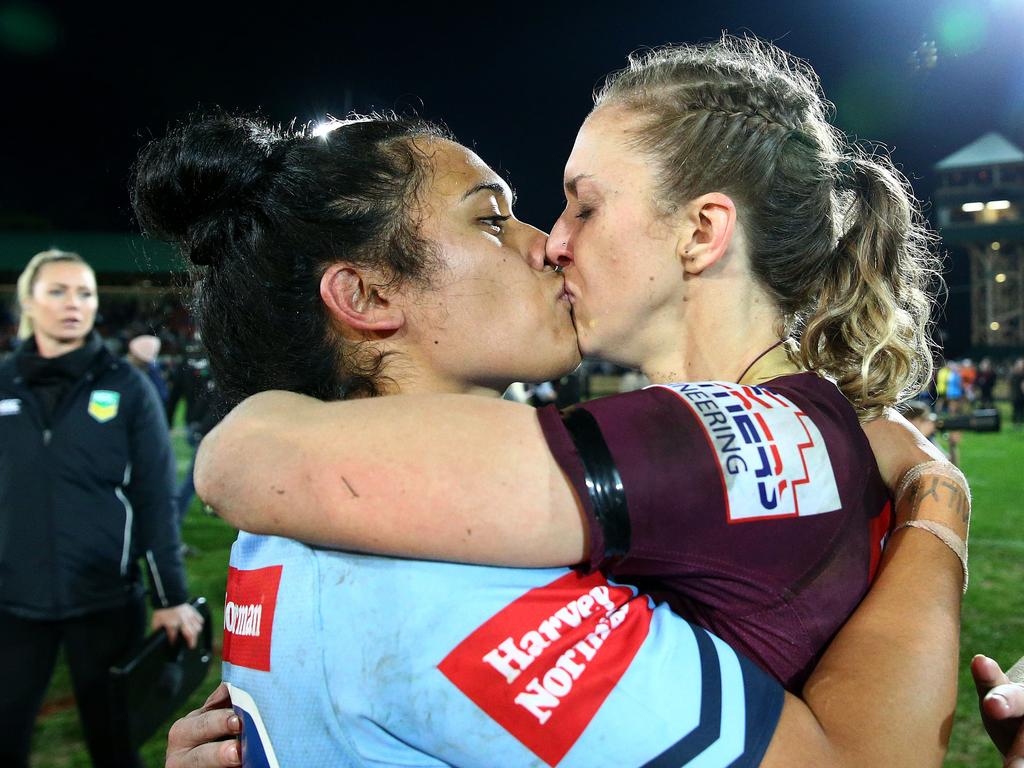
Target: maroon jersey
<point x="755" y="511"/>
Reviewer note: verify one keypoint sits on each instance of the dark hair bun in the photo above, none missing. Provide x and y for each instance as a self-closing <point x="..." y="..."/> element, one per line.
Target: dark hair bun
<point x="270" y="209"/>
<point x="198" y="185"/>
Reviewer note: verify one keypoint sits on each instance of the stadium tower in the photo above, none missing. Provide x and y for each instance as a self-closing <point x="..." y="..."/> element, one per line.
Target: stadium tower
<point x="980" y="211"/>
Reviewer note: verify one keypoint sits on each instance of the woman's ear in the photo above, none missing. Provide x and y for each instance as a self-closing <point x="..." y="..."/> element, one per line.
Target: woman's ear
<point x="711" y="220"/>
<point x="354" y="300"/>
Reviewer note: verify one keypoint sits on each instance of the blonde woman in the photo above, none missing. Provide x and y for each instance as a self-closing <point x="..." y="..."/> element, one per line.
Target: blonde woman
<point x="85" y="492"/>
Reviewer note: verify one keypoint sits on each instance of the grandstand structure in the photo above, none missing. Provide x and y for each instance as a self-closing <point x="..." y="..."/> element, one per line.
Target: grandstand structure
<point x="979" y="207"/>
<point x="123" y="256"/>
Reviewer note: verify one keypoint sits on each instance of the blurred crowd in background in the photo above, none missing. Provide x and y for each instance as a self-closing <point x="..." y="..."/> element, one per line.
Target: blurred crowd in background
<point x="120" y="319"/>
<point x="958" y="386"/>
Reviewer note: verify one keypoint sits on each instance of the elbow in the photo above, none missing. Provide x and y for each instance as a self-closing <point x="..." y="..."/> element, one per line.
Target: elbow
<point x="207" y="475"/>
<point x="235" y="459"/>
<point x="221" y="467"/>
<point x="214" y="475"/>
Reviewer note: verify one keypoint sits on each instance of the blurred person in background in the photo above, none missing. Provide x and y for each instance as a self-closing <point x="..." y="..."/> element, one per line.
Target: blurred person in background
<point x="986" y="383"/>
<point x="8" y="327"/>
<point x="954" y="389"/>
<point x="1017" y="392"/>
<point x="85" y="491"/>
<point x="142" y="353"/>
<point x="193" y="383"/>
<point x="968" y="378"/>
<point x="941" y="384"/>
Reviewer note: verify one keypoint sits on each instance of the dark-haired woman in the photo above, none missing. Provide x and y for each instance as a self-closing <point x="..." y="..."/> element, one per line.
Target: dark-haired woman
<point x="85" y="491"/>
<point x="335" y="657"/>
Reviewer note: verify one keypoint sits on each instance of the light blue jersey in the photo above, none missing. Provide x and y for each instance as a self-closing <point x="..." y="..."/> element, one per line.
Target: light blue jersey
<point x="336" y="659"/>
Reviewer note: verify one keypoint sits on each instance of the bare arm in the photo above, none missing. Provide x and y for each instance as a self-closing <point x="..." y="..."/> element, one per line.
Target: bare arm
<point x="885" y="692"/>
<point x="421" y="469"/>
<point x="447" y="477"/>
<point x="421" y="476"/>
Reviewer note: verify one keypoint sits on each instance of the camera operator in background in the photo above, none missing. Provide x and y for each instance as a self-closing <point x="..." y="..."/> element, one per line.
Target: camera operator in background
<point x="921" y="416"/>
<point x="85" y="491"/>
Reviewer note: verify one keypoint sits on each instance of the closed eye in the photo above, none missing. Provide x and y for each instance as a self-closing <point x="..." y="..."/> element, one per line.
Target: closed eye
<point x="495" y="223"/>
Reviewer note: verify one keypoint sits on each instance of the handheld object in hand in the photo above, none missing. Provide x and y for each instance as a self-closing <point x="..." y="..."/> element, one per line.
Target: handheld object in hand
<point x="148" y="687"/>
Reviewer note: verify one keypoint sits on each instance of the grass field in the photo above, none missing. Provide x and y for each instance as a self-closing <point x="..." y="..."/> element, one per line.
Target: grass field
<point x="993" y="617"/>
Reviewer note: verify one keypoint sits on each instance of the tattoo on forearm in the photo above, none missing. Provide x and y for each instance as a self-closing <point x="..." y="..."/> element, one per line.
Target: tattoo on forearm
<point x="930" y="487"/>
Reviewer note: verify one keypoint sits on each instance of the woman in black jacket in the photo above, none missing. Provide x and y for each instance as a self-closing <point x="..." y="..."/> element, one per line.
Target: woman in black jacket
<point x="86" y="478"/>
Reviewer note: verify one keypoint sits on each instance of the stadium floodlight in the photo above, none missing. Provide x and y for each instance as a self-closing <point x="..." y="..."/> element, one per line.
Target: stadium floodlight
<point x="997" y="205"/>
<point x="972" y="207"/>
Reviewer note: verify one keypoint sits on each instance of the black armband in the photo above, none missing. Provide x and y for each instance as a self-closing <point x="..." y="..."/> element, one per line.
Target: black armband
<point x="604" y="483"/>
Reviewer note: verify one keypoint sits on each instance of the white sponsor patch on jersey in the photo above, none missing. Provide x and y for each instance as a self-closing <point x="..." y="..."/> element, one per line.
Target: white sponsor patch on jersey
<point x="773" y="459"/>
<point x="10" y="407"/>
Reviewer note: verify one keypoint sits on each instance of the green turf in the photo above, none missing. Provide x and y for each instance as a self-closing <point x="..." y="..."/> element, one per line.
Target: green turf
<point x="993" y="615"/>
<point x="993" y="621"/>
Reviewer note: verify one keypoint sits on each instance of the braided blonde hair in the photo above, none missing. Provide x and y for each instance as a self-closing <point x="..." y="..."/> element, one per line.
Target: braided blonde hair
<point x="837" y="238"/>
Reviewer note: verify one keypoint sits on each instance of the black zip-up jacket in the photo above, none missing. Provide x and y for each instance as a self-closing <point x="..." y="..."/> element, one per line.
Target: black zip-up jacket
<point x="85" y="495"/>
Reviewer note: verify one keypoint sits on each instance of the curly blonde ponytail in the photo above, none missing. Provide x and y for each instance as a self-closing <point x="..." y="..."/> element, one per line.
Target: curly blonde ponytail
<point x="867" y="327"/>
<point x="836" y="236"/>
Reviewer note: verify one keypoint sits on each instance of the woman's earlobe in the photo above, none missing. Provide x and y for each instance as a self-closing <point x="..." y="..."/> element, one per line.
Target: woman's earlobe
<point x="714" y="220"/>
<point x="697" y="259"/>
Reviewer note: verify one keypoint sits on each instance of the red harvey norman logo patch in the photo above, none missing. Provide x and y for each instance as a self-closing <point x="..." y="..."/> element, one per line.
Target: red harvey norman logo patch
<point x="249" y="616"/>
<point x="543" y="666"/>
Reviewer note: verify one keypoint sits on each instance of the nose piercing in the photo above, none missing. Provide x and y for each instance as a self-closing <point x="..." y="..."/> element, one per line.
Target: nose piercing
<point x="565" y="243"/>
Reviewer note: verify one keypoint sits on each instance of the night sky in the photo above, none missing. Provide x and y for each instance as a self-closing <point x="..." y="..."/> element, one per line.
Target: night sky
<point x="84" y="85"/>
